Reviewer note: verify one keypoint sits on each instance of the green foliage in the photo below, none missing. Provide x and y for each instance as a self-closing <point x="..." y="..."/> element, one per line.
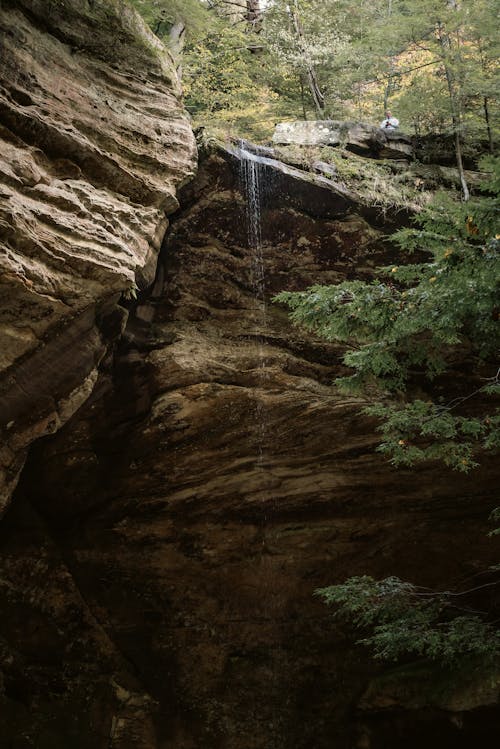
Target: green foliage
<point x="322" y="37"/>
<point x="162" y="14"/>
<point x="425" y="431"/>
<point x="365" y="52"/>
<point x="359" y="51"/>
<point x="408" y="621"/>
<point x="416" y="321"/>
<point x="450" y="50"/>
<point x="217" y="74"/>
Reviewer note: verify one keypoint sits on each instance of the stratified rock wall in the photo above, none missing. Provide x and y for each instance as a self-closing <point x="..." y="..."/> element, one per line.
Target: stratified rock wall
<point x="93" y="145"/>
<point x="210" y="484"/>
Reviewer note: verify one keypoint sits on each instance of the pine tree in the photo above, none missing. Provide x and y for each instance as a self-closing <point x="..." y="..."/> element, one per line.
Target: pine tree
<point x="410" y="327"/>
<point x="400" y="619"/>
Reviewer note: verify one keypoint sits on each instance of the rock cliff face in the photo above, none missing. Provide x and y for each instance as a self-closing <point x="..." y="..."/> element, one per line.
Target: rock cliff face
<point x="199" y="478"/>
<point x="93" y="144"/>
<point x="159" y="561"/>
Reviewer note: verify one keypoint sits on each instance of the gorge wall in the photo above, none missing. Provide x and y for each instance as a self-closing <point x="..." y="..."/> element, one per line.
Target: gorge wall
<point x="159" y="561"/>
<point x="197" y="477"/>
<point x="93" y="144"/>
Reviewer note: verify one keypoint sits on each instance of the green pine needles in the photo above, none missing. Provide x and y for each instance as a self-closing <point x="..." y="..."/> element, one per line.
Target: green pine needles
<point x="403" y="332"/>
<point x="402" y="620"/>
<point x="416" y="322"/>
<point x="405" y="620"/>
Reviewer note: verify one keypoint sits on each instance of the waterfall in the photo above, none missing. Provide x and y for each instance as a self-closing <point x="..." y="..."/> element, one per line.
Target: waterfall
<point x="252" y="183"/>
<point x="251" y="177"/>
<point x="255" y="174"/>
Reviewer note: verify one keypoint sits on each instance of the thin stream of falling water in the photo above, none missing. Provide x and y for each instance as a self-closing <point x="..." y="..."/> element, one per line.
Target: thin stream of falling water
<point x="253" y="177"/>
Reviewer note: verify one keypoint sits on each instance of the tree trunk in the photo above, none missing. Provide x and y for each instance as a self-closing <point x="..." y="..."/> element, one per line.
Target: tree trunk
<point x="488" y="126"/>
<point x="254" y="14"/>
<point x="316" y="93"/>
<point x="389" y="89"/>
<point x="486" y="108"/>
<point x="460" y="164"/>
<point x="302" y="97"/>
<point x="457" y="124"/>
<point x="445" y="44"/>
<point x="390" y="82"/>
<point x="243" y="10"/>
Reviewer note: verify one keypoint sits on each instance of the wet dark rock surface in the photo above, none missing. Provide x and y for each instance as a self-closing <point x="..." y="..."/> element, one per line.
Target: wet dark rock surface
<point x="159" y="561"/>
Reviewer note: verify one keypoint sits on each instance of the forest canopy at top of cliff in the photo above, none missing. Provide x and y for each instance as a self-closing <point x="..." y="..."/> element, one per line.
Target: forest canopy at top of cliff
<point x="247" y="63"/>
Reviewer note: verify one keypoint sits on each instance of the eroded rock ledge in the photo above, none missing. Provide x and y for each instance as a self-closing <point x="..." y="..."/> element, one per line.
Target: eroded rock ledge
<point x="210" y="483"/>
<point x="94" y="143"/>
<point x="358" y="137"/>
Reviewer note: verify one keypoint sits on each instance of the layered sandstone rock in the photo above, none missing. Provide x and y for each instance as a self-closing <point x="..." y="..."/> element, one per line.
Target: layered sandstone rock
<point x="358" y="137"/>
<point x="210" y="484"/>
<point x="93" y="145"/>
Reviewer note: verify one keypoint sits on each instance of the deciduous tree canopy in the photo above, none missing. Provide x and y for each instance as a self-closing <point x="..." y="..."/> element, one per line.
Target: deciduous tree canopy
<point x="433" y="61"/>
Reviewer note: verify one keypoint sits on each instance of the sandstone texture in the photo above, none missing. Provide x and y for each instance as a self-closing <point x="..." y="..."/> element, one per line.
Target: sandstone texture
<point x="94" y="143"/>
<point x="358" y="137"/>
<point x="159" y="561"/>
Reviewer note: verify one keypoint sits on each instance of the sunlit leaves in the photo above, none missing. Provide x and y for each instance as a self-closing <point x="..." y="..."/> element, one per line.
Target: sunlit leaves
<point x="217" y="73"/>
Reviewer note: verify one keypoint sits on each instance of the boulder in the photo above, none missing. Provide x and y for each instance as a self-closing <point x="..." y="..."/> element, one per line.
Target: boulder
<point x="358" y="137"/>
<point x="327" y="170"/>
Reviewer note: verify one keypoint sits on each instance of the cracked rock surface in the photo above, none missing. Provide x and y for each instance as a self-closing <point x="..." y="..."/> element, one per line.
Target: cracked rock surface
<point x="212" y="481"/>
<point x="94" y="143"/>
